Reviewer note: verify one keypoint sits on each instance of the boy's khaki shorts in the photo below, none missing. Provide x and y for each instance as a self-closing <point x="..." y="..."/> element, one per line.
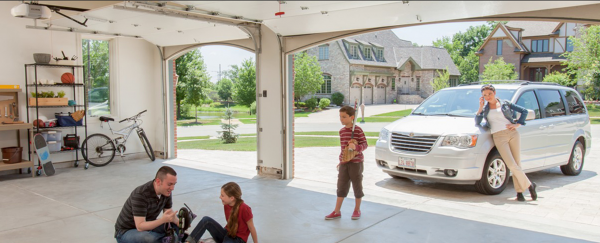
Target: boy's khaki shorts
<point x="350" y="172"/>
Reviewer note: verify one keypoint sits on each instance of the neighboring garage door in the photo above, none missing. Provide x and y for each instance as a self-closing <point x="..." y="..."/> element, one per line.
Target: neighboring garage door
<point x="368" y="95"/>
<point x="354" y="94"/>
<point x="380" y="94"/>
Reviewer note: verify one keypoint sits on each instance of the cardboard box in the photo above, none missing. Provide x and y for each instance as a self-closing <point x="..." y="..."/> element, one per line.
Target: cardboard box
<point x="49" y="101"/>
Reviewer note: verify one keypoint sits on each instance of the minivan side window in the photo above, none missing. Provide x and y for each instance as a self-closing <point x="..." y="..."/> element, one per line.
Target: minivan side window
<point x="574" y="102"/>
<point x="552" y="103"/>
<point x="529" y="101"/>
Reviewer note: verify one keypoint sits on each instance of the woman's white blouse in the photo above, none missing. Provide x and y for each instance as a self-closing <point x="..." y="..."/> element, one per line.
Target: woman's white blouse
<point x="497" y="120"/>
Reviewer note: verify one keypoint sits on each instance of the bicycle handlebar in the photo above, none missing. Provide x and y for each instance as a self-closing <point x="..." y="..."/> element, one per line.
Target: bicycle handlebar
<point x="133" y="117"/>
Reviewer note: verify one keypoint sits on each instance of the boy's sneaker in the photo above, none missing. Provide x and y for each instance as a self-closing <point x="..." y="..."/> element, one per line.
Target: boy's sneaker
<point x="333" y="215"/>
<point x="356" y="215"/>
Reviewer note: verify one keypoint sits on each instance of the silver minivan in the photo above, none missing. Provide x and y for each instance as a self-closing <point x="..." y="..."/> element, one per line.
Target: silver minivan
<point x="439" y="140"/>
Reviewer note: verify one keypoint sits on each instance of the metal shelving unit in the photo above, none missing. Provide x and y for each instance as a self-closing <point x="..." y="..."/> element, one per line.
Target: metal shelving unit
<point x="34" y="87"/>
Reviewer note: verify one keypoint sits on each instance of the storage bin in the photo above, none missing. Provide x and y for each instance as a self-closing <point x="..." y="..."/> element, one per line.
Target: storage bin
<point x="11" y="155"/>
<point x="65" y="120"/>
<point x="54" y="135"/>
<point x="54" y="146"/>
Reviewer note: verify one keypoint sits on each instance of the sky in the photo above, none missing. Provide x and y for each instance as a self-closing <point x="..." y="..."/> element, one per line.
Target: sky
<point x="422" y="35"/>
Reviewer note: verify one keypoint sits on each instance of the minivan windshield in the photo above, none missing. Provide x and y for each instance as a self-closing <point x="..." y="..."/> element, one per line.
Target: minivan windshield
<point x="456" y="102"/>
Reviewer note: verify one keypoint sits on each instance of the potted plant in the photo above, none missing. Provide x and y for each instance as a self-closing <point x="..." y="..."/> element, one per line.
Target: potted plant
<point x="48" y="99"/>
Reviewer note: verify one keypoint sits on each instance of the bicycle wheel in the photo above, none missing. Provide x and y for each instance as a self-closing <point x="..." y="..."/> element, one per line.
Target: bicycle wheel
<point x="98" y="150"/>
<point x="146" y="144"/>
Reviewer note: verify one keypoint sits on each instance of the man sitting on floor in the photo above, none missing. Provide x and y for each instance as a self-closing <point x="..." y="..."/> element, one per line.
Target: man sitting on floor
<point x="138" y="220"/>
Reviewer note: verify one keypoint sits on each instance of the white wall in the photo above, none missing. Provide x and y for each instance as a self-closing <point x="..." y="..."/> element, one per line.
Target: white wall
<point x="136" y="83"/>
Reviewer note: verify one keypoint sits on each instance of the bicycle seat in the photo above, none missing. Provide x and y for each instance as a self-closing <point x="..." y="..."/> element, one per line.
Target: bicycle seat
<point x="106" y="119"/>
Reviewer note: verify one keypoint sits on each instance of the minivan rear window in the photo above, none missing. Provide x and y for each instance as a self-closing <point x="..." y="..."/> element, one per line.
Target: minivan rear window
<point x="552" y="103"/>
<point x="456" y="102"/>
<point x="574" y="102"/>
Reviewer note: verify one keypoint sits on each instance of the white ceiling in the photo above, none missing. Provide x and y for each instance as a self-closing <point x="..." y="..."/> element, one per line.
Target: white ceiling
<point x="342" y="15"/>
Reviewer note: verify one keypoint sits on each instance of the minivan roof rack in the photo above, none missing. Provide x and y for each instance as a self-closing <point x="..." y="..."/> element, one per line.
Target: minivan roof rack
<point x="521" y="82"/>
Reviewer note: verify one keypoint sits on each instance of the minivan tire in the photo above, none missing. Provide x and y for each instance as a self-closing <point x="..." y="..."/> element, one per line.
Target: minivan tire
<point x="495" y="175"/>
<point x="575" y="165"/>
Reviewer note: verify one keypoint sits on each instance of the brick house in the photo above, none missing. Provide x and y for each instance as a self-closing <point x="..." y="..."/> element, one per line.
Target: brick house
<point x="534" y="47"/>
<point x="379" y="68"/>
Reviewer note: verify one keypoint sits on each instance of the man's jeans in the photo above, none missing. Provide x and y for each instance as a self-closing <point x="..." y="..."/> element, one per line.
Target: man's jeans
<point x="217" y="231"/>
<point x="154" y="236"/>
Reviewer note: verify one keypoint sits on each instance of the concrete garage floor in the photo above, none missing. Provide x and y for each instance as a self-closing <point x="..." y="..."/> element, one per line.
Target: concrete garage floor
<point x="77" y="205"/>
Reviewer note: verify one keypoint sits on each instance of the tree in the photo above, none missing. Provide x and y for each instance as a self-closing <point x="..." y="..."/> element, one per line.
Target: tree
<point x="192" y="72"/>
<point x="197" y="89"/>
<point x="462" y="48"/>
<point x="225" y="89"/>
<point x="498" y="70"/>
<point x="227" y="135"/>
<point x="244" y="89"/>
<point x="308" y="76"/>
<point x="584" y="60"/>
<point x="560" y="78"/>
<point x="441" y="81"/>
<point x="232" y="73"/>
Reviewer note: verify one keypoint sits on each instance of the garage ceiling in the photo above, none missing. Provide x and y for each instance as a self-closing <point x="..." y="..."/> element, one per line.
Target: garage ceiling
<point x="148" y="21"/>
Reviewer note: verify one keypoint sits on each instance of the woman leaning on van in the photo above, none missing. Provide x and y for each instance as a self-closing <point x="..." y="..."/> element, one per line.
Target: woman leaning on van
<point x="500" y="117"/>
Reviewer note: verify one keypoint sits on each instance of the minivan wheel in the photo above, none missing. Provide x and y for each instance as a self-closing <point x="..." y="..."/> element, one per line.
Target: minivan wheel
<point x="494" y="177"/>
<point x="575" y="165"/>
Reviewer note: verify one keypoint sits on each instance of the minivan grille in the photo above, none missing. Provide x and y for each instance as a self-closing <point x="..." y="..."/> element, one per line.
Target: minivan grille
<point x="418" y="144"/>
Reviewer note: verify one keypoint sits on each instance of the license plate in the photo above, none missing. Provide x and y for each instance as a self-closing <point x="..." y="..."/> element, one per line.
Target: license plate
<point x="407" y="162"/>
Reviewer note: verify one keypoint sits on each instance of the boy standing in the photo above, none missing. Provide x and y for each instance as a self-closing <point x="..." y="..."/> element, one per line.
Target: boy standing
<point x="350" y="171"/>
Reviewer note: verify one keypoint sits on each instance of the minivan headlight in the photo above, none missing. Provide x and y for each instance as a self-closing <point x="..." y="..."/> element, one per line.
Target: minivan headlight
<point x="384" y="134"/>
<point x="460" y="141"/>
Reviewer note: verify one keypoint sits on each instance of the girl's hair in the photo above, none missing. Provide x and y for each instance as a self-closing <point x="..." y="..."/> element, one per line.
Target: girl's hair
<point x="232" y="189"/>
<point x="488" y="87"/>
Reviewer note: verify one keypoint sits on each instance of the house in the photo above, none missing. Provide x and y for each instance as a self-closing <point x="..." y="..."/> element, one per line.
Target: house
<point x="379" y="67"/>
<point x="534" y="47"/>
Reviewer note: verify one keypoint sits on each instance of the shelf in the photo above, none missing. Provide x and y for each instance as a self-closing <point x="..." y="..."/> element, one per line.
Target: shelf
<point x="10" y="127"/>
<point x="57" y="106"/>
<point x="20" y="165"/>
<point x="56" y="85"/>
<point x="51" y="65"/>
<point x="60" y="152"/>
<point x="52" y="128"/>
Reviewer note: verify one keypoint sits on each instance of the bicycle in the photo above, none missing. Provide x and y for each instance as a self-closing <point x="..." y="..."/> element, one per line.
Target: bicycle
<point x="99" y="149"/>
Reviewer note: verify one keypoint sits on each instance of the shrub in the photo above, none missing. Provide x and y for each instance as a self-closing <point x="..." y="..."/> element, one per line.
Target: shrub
<point x="300" y="104"/>
<point x="215" y="104"/>
<point x="311" y="103"/>
<point x="253" y="108"/>
<point x="324" y="103"/>
<point x="337" y="98"/>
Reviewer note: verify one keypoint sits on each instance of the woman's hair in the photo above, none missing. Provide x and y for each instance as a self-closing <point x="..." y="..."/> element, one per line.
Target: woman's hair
<point x="232" y="189"/>
<point x="488" y="87"/>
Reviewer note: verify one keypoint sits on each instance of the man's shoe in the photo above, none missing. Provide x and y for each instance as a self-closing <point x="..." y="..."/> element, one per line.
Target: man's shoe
<point x="333" y="215"/>
<point x="356" y="215"/>
<point x="520" y="197"/>
<point x="532" y="191"/>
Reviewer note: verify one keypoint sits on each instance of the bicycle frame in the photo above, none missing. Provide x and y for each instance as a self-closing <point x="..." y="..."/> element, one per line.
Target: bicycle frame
<point x="125" y="133"/>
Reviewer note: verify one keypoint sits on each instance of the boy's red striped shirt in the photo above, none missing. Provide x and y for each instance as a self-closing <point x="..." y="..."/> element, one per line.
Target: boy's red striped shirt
<point x="359" y="136"/>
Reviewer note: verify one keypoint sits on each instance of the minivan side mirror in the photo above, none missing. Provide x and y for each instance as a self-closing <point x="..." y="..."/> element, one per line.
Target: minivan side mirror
<point x="530" y="115"/>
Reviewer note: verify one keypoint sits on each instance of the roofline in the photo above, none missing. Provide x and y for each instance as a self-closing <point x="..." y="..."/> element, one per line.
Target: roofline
<point x="504" y="29"/>
<point x="560" y="24"/>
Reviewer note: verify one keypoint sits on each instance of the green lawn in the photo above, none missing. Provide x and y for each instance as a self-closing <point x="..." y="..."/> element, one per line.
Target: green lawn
<point x="192" y="138"/>
<point x="398" y="114"/>
<point x="594" y="110"/>
<point x="379" y="119"/>
<point x="301" y="114"/>
<point x="248" y="121"/>
<point x="595" y="120"/>
<point x="249" y="143"/>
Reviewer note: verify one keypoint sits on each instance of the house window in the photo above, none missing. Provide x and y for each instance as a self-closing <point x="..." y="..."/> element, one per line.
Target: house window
<point x="539" y="45"/>
<point x="569" y="45"/>
<point x="379" y="54"/>
<point x="418" y="84"/>
<point x="324" y="52"/>
<point x="393" y="83"/>
<point x="96" y="61"/>
<point x="499" y="48"/>
<point x="453" y="82"/>
<point x="354" y="51"/>
<point x="326" y="86"/>
<point x="368" y="55"/>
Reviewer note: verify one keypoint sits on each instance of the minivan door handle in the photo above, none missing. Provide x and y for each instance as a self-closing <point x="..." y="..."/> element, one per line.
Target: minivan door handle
<point x="542" y="127"/>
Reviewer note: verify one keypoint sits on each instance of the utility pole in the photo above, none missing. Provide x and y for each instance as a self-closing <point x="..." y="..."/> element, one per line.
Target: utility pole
<point x="219" y="72"/>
